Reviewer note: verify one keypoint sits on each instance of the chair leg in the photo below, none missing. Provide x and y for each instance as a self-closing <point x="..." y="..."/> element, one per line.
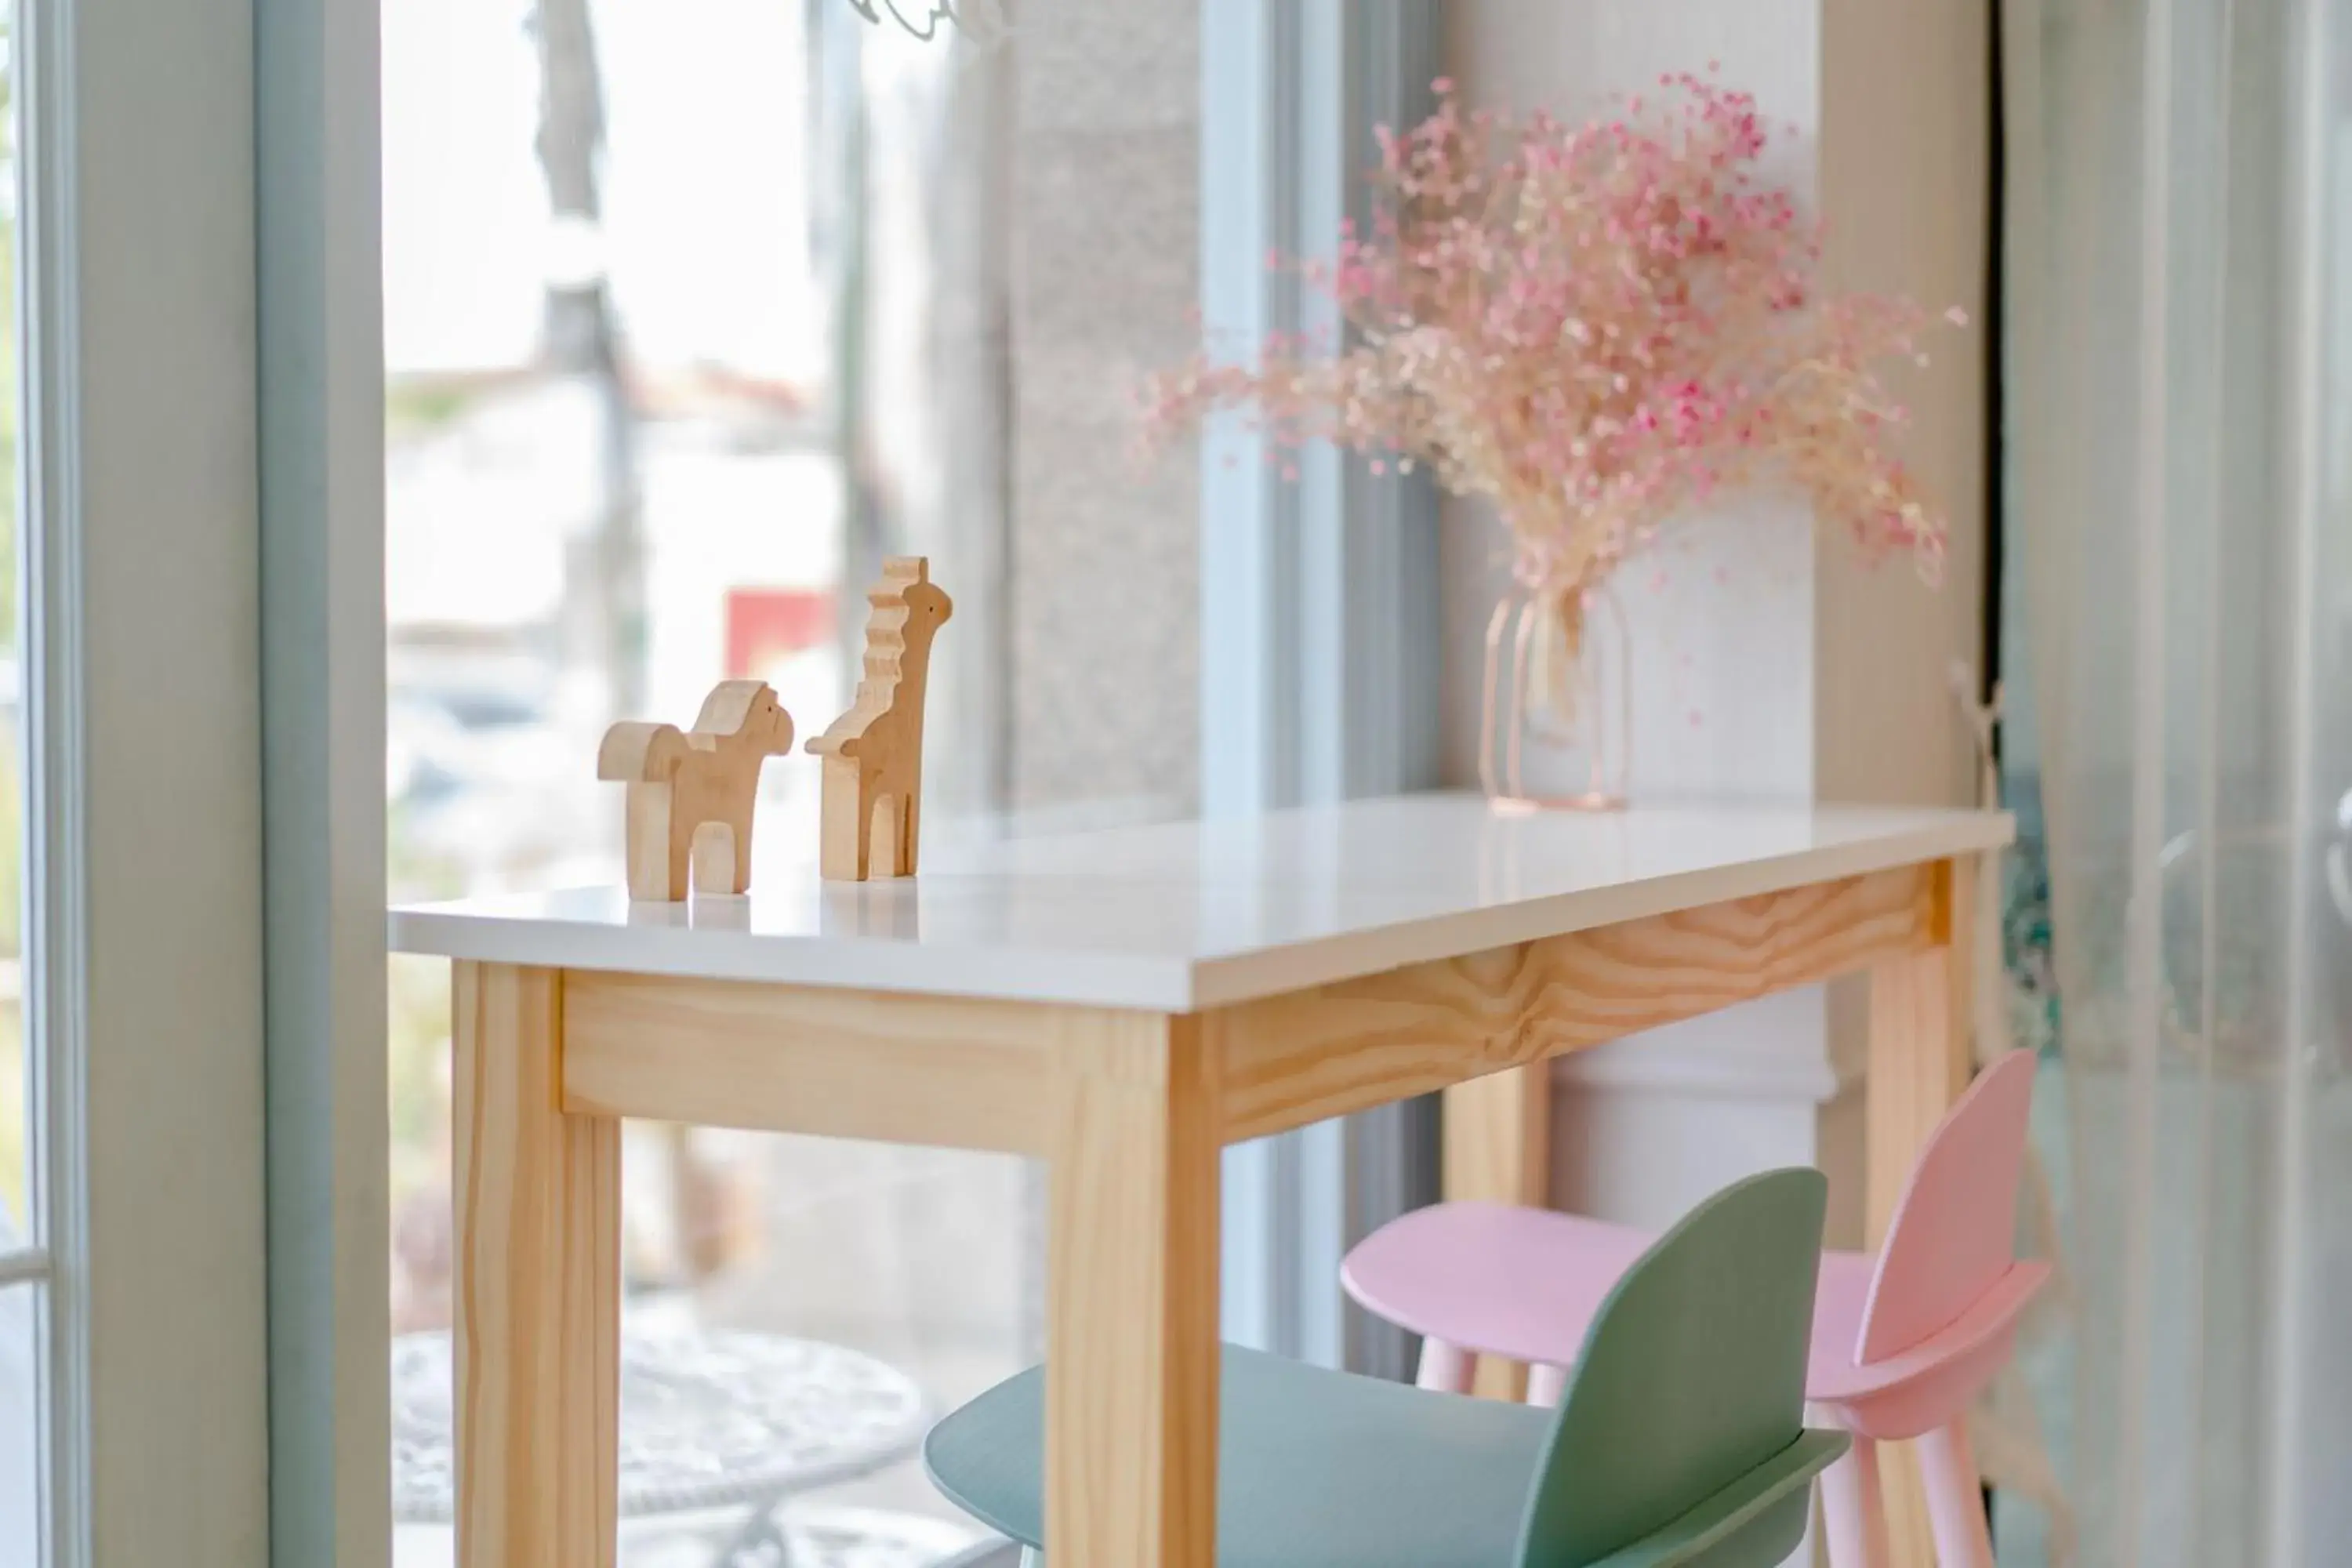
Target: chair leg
<point x="1445" y="1367"/>
<point x="1031" y="1558"/>
<point x="1546" y="1384"/>
<point x="1956" y="1511"/>
<point x="1853" y="1513"/>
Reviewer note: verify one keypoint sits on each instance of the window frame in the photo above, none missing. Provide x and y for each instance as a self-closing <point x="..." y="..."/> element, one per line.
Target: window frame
<point x="144" y="955"/>
<point x="319" y="336"/>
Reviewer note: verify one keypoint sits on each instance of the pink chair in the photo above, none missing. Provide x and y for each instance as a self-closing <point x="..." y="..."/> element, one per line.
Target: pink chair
<point x="1902" y="1341"/>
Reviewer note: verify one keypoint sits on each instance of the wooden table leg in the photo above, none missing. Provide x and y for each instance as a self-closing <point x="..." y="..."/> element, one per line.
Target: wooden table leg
<point x="1131" y="1313"/>
<point x="1919" y="1036"/>
<point x="538" y="1286"/>
<point x="1497" y="1144"/>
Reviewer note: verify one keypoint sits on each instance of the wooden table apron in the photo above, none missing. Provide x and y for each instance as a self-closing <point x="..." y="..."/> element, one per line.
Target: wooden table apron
<point x="1130" y="1109"/>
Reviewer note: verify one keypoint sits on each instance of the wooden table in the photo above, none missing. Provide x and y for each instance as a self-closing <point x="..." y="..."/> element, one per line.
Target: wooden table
<point x="1123" y="1003"/>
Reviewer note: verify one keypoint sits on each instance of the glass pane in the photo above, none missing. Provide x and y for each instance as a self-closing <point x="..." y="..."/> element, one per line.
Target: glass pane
<point x="15" y="1078"/>
<point x="694" y="313"/>
<point x="22" y="1409"/>
<point x="20" y="1431"/>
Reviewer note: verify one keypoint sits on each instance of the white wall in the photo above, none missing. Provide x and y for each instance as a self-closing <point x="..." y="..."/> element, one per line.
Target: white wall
<point x="1725" y="640"/>
<point x="1767" y="663"/>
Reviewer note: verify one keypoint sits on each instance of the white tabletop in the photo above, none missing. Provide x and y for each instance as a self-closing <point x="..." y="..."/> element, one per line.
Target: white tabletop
<point x="1201" y="914"/>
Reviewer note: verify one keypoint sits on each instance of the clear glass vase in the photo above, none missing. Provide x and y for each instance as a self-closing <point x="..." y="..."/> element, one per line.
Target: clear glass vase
<point x="1556" y="729"/>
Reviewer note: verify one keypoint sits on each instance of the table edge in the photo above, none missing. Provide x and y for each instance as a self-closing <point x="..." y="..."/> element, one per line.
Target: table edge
<point x="1141" y="983"/>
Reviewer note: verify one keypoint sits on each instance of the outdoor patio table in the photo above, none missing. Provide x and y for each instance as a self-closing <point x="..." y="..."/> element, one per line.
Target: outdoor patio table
<point x="1123" y="1003"/>
<point x="713" y="1420"/>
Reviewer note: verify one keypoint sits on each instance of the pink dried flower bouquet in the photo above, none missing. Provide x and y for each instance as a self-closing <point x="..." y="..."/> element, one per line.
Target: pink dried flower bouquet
<point x="1596" y="327"/>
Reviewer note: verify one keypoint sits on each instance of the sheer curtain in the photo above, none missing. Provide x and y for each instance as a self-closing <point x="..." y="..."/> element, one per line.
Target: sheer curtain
<point x="2179" y="400"/>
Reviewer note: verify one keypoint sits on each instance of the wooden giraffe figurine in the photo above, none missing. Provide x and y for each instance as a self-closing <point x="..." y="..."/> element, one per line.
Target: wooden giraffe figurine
<point x="874" y="753"/>
<point x="691" y="793"/>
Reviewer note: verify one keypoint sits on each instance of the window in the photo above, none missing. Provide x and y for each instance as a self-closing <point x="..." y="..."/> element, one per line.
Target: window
<point x="24" y="1265"/>
<point x="692" y="314"/>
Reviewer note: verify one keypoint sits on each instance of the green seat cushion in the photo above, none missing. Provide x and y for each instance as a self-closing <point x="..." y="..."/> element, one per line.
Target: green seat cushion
<point x="1317" y="1469"/>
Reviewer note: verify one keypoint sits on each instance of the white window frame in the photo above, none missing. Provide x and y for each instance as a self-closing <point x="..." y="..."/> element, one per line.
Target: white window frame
<point x="143" y="861"/>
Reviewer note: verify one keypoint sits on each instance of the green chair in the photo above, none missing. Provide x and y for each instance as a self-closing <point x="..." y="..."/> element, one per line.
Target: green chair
<point x="1680" y="1441"/>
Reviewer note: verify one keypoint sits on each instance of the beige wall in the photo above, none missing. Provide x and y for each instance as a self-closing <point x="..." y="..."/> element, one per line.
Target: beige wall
<point x="1904" y="148"/>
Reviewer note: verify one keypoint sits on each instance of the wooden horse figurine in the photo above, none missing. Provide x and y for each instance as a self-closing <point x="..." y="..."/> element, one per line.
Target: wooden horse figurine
<point x="874" y="753"/>
<point x="691" y="793"/>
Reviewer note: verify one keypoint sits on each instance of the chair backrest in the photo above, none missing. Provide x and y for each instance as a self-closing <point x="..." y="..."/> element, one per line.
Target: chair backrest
<point x="1954" y="1233"/>
<point x="1692" y="1375"/>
